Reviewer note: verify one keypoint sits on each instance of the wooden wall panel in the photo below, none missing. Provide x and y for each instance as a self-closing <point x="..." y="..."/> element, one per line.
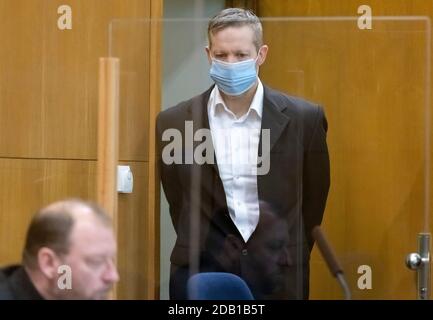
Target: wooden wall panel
<point x="372" y="86"/>
<point x="282" y="8"/>
<point x="130" y="42"/>
<point x="134" y="259"/>
<point x="48" y="122"/>
<point x="49" y="79"/>
<point x="247" y="4"/>
<point x="27" y="185"/>
<point x="153" y="205"/>
<point x="21" y="53"/>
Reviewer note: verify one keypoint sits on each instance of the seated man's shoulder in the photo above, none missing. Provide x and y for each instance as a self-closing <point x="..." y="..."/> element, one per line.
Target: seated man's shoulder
<point x="16" y="284"/>
<point x="6" y="272"/>
<point x="5" y="282"/>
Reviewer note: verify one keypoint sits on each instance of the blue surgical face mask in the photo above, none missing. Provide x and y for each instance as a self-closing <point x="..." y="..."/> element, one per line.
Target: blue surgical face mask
<point x="234" y="78"/>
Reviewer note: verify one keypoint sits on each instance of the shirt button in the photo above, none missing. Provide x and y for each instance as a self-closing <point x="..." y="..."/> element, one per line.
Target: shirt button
<point x="244" y="252"/>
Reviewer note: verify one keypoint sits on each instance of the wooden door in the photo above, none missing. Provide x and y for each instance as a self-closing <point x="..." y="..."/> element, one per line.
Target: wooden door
<point x="374" y="87"/>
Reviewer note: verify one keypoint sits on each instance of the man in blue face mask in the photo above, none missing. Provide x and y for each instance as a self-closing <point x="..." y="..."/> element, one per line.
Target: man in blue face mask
<point x="235" y="53"/>
<point x="216" y="205"/>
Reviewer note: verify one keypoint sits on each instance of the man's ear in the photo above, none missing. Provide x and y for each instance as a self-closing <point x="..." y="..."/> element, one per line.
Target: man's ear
<point x="209" y="56"/>
<point x="48" y="262"/>
<point x="263" y="52"/>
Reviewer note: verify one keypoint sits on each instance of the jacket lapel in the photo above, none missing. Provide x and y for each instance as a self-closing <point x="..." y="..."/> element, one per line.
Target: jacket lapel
<point x="200" y="120"/>
<point x="273" y="119"/>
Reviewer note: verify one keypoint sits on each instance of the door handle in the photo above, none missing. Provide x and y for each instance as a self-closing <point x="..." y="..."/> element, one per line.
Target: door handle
<point x="420" y="262"/>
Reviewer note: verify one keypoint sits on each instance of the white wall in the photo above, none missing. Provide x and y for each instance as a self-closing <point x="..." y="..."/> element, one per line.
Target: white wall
<point x="185" y="74"/>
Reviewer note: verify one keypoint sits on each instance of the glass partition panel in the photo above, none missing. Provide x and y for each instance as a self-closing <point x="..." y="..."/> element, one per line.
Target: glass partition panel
<point x="246" y="185"/>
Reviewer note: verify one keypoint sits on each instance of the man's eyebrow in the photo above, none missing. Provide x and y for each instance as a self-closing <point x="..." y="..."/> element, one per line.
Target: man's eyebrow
<point x="241" y="51"/>
<point x="231" y="51"/>
<point x="95" y="256"/>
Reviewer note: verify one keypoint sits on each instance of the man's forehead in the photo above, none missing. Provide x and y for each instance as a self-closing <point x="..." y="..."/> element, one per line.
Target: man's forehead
<point x="88" y="225"/>
<point x="89" y="234"/>
<point x="234" y="33"/>
<point x="82" y="213"/>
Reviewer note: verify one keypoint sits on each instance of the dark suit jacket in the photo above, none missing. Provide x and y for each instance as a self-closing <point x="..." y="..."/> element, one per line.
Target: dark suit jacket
<point x="297" y="185"/>
<point x="15" y="284"/>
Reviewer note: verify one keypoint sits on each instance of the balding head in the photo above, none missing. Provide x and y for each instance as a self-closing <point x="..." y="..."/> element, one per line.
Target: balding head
<point x="51" y="227"/>
<point x="75" y="236"/>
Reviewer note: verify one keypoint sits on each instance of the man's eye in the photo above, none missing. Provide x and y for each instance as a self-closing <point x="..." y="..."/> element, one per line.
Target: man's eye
<point x="95" y="262"/>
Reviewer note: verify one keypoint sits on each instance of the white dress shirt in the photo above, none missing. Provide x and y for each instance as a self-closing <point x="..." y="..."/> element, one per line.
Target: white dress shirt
<point x="236" y="142"/>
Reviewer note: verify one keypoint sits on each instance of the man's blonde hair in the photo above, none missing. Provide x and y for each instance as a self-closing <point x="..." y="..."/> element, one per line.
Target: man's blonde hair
<point x="236" y="17"/>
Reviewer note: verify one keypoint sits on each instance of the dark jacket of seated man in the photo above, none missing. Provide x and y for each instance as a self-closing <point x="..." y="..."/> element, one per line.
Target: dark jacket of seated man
<point x="15" y="284"/>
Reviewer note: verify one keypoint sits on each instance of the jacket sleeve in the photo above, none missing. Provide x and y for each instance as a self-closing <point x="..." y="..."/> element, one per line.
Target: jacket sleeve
<point x="316" y="175"/>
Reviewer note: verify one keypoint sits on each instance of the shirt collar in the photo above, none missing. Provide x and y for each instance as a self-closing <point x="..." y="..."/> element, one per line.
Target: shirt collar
<point x="216" y="101"/>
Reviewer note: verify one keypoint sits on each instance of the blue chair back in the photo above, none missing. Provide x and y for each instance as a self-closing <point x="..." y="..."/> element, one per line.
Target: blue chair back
<point x="218" y="286"/>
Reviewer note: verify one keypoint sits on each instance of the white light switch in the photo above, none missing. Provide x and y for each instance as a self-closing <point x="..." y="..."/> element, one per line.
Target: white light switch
<point x="125" y="180"/>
